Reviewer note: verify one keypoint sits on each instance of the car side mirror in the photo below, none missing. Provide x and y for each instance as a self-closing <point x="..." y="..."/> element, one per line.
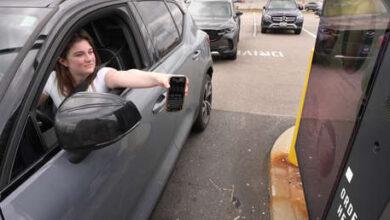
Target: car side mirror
<point x="239" y="13"/>
<point x="264" y="8"/>
<point x="89" y="121"/>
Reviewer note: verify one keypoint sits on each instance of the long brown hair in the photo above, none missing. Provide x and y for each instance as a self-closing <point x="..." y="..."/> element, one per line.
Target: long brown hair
<point x="64" y="78"/>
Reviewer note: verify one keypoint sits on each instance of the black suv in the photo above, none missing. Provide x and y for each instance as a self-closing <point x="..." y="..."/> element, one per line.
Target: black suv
<point x="282" y="14"/>
<point x="220" y="20"/>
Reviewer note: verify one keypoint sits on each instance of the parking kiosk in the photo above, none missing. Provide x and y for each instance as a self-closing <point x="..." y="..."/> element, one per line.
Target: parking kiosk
<point x="343" y="142"/>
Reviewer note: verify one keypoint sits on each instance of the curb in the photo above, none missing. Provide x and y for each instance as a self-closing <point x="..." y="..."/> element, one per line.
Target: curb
<point x="287" y="201"/>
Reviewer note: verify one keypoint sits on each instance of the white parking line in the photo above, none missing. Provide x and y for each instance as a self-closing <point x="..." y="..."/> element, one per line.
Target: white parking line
<point x="309" y="33"/>
<point x="254" y="25"/>
<point x="260" y="53"/>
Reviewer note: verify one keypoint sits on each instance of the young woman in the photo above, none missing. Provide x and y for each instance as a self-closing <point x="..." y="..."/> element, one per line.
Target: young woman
<point x="80" y="61"/>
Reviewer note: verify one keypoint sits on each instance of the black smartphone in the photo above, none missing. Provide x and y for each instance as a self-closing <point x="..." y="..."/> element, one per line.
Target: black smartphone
<point x="175" y="97"/>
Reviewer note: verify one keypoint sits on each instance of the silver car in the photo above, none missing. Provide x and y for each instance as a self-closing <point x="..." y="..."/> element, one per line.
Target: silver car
<point x="99" y="156"/>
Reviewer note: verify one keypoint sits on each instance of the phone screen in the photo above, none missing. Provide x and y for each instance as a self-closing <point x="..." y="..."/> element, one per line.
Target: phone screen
<point x="175" y="98"/>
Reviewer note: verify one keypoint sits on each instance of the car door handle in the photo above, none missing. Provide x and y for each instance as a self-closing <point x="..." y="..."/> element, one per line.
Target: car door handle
<point x="196" y="55"/>
<point x="160" y="103"/>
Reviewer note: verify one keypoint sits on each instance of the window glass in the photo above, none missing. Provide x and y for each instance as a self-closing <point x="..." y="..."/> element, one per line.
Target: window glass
<point x="16" y="26"/>
<point x="30" y="149"/>
<point x="347" y="48"/>
<point x="6" y="132"/>
<point x="177" y="16"/>
<point x="355" y="7"/>
<point x="275" y="5"/>
<point x="210" y="9"/>
<point x="12" y="100"/>
<point x="159" y="24"/>
<point x="38" y="137"/>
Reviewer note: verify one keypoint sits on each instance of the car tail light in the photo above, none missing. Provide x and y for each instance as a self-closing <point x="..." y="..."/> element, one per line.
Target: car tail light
<point x="208" y="39"/>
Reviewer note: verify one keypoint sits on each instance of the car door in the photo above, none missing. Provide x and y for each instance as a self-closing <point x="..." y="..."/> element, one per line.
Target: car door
<point x="180" y="50"/>
<point x="121" y="181"/>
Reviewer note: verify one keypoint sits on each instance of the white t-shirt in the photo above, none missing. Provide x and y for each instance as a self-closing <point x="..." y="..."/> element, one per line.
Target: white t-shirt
<point x="51" y="88"/>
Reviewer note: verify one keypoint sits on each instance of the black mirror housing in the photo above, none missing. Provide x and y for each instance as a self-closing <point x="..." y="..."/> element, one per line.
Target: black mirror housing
<point x="239" y="13"/>
<point x="89" y="121"/>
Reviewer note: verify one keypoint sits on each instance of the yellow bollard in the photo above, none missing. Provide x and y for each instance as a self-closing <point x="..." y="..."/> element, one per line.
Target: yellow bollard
<point x="292" y="156"/>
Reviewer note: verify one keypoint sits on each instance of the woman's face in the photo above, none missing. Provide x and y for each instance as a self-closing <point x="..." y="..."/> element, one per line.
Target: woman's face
<point x="80" y="59"/>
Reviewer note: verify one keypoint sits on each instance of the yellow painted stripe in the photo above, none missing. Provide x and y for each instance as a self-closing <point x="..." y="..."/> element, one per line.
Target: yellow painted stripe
<point x="292" y="156"/>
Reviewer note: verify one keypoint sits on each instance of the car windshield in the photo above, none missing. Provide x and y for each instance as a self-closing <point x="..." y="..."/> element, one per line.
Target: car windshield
<point x="285" y="5"/>
<point x="16" y="25"/>
<point x="210" y="9"/>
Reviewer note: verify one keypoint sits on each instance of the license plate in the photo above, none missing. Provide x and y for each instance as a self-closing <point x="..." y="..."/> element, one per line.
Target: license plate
<point x="283" y="24"/>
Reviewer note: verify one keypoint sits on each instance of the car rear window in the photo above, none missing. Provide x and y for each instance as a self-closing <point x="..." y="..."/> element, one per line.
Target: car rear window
<point x="160" y="25"/>
<point x="210" y="9"/>
<point x="16" y="25"/>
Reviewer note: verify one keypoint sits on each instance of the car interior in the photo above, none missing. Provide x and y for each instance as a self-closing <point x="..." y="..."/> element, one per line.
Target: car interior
<point x="110" y="43"/>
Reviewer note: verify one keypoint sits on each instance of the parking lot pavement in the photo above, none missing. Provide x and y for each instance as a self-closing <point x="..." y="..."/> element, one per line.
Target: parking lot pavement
<point x="255" y="99"/>
<point x="269" y="73"/>
<point x="311" y="24"/>
<point x="231" y="155"/>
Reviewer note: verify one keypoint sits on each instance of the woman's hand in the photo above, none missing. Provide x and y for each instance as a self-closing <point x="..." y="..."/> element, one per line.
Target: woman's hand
<point x="134" y="78"/>
<point x="166" y="78"/>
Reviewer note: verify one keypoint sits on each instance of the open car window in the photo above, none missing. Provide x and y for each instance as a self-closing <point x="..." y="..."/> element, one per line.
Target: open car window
<point x="115" y="48"/>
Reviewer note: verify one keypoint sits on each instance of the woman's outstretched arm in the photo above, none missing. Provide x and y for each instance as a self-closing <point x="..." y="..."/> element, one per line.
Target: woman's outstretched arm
<point x="135" y="78"/>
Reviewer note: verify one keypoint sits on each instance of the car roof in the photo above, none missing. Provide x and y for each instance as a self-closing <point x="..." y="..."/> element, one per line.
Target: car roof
<point x="283" y="0"/>
<point x="30" y="3"/>
<point x="211" y="1"/>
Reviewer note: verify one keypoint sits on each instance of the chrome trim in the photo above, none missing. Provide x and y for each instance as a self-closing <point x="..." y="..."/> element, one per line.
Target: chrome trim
<point x="283" y="18"/>
<point x="277" y="25"/>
